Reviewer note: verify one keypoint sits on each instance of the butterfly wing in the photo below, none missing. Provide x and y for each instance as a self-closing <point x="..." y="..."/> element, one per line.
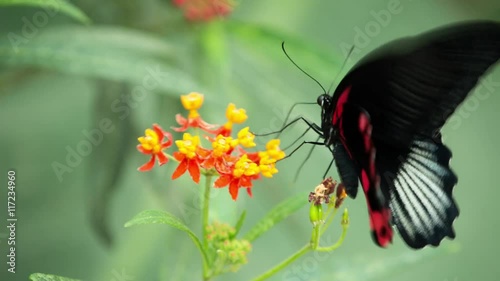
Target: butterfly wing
<point x="408" y="89"/>
<point x="355" y="155"/>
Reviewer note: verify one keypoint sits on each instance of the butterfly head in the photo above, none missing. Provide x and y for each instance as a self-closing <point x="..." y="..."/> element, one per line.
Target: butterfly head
<point x="325" y="101"/>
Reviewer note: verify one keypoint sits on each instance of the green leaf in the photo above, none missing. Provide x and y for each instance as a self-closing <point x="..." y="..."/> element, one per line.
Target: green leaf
<point x="240" y="222"/>
<point x="111" y="53"/>
<point x="51" y="7"/>
<point x="276" y="215"/>
<point x="161" y="217"/>
<point x="49" y="277"/>
<point x="267" y="41"/>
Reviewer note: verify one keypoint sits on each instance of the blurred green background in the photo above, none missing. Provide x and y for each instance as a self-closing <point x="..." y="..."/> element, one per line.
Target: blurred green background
<point x="63" y="77"/>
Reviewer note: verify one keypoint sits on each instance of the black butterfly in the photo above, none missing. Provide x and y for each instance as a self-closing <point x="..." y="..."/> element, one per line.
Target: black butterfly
<point x="383" y="126"/>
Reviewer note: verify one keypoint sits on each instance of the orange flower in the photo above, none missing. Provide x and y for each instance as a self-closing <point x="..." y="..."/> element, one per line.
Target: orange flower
<point x="192" y="102"/>
<point x="244" y="171"/>
<point x="234" y="116"/>
<point x="188" y="157"/>
<point x="152" y="144"/>
<point x="219" y="157"/>
<point x="204" y="10"/>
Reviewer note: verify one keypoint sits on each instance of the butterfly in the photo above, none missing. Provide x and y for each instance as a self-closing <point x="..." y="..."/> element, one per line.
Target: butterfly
<point x="383" y="124"/>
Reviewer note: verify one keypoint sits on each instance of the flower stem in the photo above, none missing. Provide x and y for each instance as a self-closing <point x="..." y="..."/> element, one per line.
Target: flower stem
<point x="204" y="218"/>
<point x="337" y="244"/>
<point x="329" y="218"/>
<point x="205" y="211"/>
<point x="284" y="264"/>
<point x="315" y="236"/>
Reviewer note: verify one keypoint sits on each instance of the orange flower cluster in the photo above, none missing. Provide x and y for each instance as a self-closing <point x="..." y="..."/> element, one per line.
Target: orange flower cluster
<point x="204" y="10"/>
<point x="236" y="167"/>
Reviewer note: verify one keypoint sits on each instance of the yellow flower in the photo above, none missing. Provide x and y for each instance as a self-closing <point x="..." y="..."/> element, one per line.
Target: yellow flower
<point x="235" y="115"/>
<point x="188" y="144"/>
<point x="267" y="166"/>
<point x="151" y="141"/>
<point x="273" y="150"/>
<point x="192" y="102"/>
<point x="245" y="166"/>
<point x="246" y="138"/>
<point x="222" y="145"/>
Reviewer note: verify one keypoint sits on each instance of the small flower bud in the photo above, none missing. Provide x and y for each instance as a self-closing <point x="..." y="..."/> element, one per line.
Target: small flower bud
<point x="316" y="214"/>
<point x="345" y="218"/>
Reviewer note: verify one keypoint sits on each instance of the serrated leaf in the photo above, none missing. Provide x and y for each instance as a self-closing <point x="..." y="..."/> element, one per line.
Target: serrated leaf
<point x="276" y="215"/>
<point x="52" y="7"/>
<point x="49" y="277"/>
<point x="111" y="53"/>
<point x="161" y="217"/>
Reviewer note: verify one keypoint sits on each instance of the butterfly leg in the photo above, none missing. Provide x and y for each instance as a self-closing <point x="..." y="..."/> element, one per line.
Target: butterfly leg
<point x="313" y="126"/>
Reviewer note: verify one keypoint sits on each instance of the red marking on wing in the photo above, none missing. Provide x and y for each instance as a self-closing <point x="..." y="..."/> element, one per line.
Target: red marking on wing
<point x="382" y="231"/>
<point x="379" y="219"/>
<point x="337" y="117"/>
<point x="339" y="107"/>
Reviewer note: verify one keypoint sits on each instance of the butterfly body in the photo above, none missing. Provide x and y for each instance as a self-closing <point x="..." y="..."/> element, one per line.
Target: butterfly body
<point x="383" y="124"/>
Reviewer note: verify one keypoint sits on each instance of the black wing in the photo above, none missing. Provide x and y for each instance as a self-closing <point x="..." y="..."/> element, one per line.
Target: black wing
<point x="409" y="88"/>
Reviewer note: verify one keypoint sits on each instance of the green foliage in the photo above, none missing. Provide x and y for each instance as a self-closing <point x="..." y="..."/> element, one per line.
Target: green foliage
<point x="101" y="53"/>
<point x="54" y="6"/>
<point x="49" y="277"/>
<point x="276" y="215"/>
<point x="161" y="217"/>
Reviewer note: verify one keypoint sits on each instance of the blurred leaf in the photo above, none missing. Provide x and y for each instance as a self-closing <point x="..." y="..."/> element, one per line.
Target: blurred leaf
<point x="108" y="52"/>
<point x="108" y="157"/>
<point x="276" y="215"/>
<point x="239" y="223"/>
<point x="62" y="6"/>
<point x="268" y="41"/>
<point x="49" y="277"/>
<point x="161" y="217"/>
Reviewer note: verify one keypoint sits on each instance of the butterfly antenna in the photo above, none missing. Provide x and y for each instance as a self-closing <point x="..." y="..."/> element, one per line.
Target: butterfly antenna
<point x="341" y="68"/>
<point x="289" y="58"/>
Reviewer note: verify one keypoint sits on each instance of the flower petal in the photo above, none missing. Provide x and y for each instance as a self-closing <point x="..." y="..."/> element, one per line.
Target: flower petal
<point x="233" y="189"/>
<point x="246" y="181"/>
<point x="158" y="130"/>
<point x="222" y="181"/>
<point x="179" y="156"/>
<point x="194" y="170"/>
<point x="162" y="158"/>
<point x="181" y="121"/>
<point x="143" y="150"/>
<point x="149" y="165"/>
<point x="203" y="152"/>
<point x="249" y="191"/>
<point x="181" y="169"/>
<point x="209" y="163"/>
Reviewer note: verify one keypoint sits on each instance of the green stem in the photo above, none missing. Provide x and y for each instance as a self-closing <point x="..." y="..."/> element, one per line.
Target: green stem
<point x="204" y="210"/>
<point x="315" y="236"/>
<point x="284" y="264"/>
<point x="204" y="219"/>
<point x="336" y="245"/>
<point x="329" y="219"/>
